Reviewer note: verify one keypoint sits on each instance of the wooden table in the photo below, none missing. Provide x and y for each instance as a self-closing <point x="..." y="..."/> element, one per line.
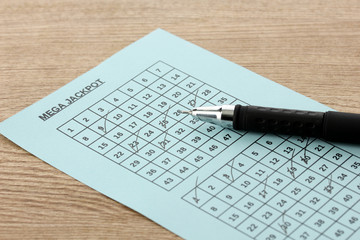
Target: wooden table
<point x="310" y="46"/>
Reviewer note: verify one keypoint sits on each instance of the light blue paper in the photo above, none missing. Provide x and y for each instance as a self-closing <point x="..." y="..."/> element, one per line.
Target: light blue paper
<point x="120" y="134"/>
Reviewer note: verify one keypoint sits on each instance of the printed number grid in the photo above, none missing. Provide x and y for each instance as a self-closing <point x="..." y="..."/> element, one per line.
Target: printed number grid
<point x="284" y="187"/>
<point x="139" y="127"/>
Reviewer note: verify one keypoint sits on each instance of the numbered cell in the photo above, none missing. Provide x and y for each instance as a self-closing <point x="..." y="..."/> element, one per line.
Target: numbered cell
<point x="233" y="216"/>
<point x="251" y="227"/>
<point x="146" y="78"/>
<point x="347" y="197"/>
<point x="212" y="185"/>
<point x="131" y="88"/>
<point x="230" y="195"/>
<point x="133" y="125"/>
<point x="353" y="164"/>
<point x="132" y="106"/>
<point x="176" y="94"/>
<point x="210" y="129"/>
<point x="302" y="142"/>
<point x="198" y="158"/>
<point x="310" y="178"/>
<point x="244" y="183"/>
<point x="118" y="154"/>
<point x="166" y="160"/>
<point x="270" y="141"/>
<point x="179" y="131"/>
<point x="87" y="137"/>
<point x="278" y="181"/>
<point x="281" y="202"/>
<point x="319" y="147"/>
<point x="241" y="163"/>
<point x="296" y="190"/>
<point x="192" y="101"/>
<point x="165" y="141"/>
<point x="151" y="172"/>
<point x="192" y="122"/>
<point x="175" y="113"/>
<point x="148" y="114"/>
<point x="175" y="76"/>
<point x="328" y="187"/>
<point x="116" y="98"/>
<point x="212" y="147"/>
<point x="150" y="152"/>
<point x="102" y="126"/>
<point x="274" y="160"/>
<point x="323" y="167"/>
<point x="102" y="145"/>
<point x="259" y="172"/>
<point x="190" y="84"/>
<point x="343" y="177"/>
<point x="351" y="219"/>
<point x="206" y="92"/>
<point x="196" y="138"/>
<point x="163" y="122"/>
<point x="117" y="116"/>
<point x="319" y="222"/>
<point x="285" y="224"/>
<point x="181" y="149"/>
<point x="215" y="207"/>
<point x="337" y="156"/>
<point x="222" y="99"/>
<point x="87" y="118"/>
<point x="306" y="233"/>
<point x="197" y="197"/>
<point x="168" y="181"/>
<point x="162" y="104"/>
<point x="314" y="200"/>
<point x="267" y="214"/>
<point x="292" y="169"/>
<point x="161" y="86"/>
<point x="146" y="96"/>
<point x="71" y="128"/>
<point x="183" y="169"/>
<point x="306" y="158"/>
<point x="102" y="108"/>
<point x="288" y="149"/>
<point x="160" y="68"/>
<point x="272" y="234"/>
<point x="227" y="174"/>
<point x="339" y="231"/>
<point x="134" y="143"/>
<point x="256" y="151"/>
<point x="300" y="211"/>
<point x="117" y="135"/>
<point x="227" y="137"/>
<point x="263" y="192"/>
<point x="149" y="133"/>
<point x="134" y="163"/>
<point x="333" y="210"/>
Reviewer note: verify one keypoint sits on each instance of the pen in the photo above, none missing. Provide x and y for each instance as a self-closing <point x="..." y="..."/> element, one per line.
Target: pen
<point x="331" y="125"/>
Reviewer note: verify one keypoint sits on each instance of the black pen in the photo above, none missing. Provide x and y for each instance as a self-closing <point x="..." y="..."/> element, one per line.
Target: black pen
<point x="331" y="125"/>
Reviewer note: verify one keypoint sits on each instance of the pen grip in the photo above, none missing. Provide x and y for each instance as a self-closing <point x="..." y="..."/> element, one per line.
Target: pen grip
<point x="334" y="126"/>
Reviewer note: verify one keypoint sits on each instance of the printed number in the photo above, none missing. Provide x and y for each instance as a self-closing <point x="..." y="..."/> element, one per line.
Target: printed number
<point x="148" y="114"/>
<point x="206" y="92"/>
<point x="252" y="227"/>
<point x="118" y="154"/>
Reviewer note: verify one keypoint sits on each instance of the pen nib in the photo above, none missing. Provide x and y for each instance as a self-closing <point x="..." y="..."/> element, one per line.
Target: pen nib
<point x="185" y="112"/>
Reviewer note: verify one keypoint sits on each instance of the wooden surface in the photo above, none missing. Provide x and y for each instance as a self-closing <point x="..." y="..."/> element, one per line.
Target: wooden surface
<point x="310" y="46"/>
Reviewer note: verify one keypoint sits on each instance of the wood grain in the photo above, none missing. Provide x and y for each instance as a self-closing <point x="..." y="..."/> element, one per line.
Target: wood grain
<point x="311" y="46"/>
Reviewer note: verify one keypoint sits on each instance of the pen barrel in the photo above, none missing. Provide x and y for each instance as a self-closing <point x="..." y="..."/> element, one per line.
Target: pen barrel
<point x="333" y="126"/>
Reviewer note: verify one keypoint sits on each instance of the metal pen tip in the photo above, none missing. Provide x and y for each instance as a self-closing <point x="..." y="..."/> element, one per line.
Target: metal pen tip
<point x="185" y="112"/>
